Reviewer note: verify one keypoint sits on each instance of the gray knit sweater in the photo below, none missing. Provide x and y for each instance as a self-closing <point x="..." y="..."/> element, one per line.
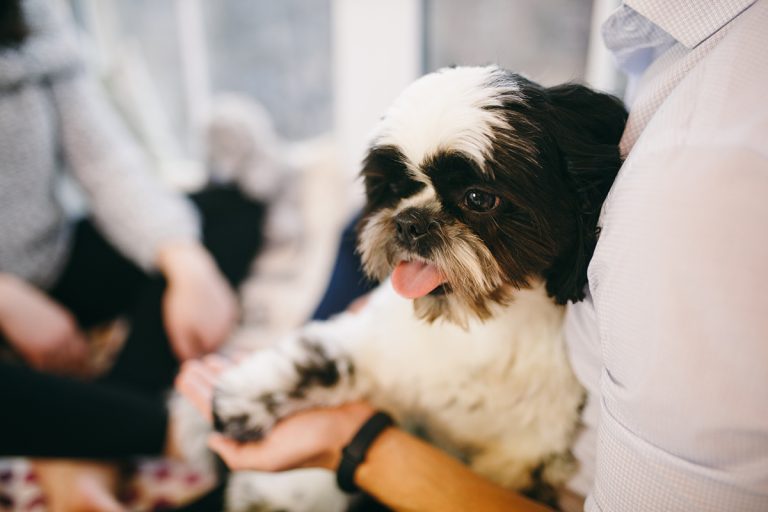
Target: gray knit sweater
<point x="54" y="119"/>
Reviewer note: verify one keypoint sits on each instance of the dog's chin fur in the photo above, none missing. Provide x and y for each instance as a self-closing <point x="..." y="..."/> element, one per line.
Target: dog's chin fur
<point x="451" y="308"/>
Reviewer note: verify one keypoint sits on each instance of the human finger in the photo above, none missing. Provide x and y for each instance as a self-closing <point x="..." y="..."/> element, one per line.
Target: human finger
<point x="194" y="371"/>
<point x="193" y="384"/>
<point x="216" y="363"/>
<point x="202" y="371"/>
<point x="196" y="390"/>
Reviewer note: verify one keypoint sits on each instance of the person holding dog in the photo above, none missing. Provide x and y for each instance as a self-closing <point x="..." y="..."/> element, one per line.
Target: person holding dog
<point x="670" y="342"/>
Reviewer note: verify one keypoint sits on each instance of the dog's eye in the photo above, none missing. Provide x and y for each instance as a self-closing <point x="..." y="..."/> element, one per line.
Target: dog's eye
<point x="479" y="201"/>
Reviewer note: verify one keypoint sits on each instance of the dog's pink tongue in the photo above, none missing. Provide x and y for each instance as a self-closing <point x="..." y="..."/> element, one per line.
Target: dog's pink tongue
<point x="414" y="279"/>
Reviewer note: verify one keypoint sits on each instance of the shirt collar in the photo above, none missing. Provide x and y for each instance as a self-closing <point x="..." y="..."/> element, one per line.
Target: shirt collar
<point x="690" y="21"/>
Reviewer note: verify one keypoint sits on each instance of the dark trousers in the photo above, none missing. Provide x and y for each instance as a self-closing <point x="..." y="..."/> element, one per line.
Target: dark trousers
<point x="123" y="413"/>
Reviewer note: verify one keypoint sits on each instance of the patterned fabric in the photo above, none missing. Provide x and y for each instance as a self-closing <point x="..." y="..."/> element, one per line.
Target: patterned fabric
<point x="635" y="42"/>
<point x="155" y="485"/>
<point x="54" y="117"/>
<point x="690" y="21"/>
<point x="671" y="343"/>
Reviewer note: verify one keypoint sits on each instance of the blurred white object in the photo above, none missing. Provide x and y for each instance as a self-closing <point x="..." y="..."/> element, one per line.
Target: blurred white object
<point x="244" y="149"/>
<point x="243" y="146"/>
<point x="601" y="70"/>
<point x="300" y="490"/>
<point x="377" y="51"/>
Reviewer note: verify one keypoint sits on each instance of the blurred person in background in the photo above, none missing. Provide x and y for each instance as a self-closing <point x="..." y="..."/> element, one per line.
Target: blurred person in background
<point x="165" y="263"/>
<point x="671" y="342"/>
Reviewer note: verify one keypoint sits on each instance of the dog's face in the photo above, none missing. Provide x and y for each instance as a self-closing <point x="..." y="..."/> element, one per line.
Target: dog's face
<point x="479" y="182"/>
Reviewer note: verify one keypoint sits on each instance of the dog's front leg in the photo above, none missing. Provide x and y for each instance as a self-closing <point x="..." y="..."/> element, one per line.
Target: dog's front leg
<point x="305" y="370"/>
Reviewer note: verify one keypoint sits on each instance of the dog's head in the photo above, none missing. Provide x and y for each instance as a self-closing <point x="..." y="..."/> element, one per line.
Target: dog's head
<point x="479" y="182"/>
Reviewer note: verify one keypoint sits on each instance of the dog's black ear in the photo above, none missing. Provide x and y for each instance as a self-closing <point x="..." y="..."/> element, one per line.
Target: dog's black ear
<point x="587" y="127"/>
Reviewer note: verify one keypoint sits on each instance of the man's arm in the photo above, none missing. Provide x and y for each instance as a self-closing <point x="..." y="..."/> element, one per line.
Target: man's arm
<point x="408" y="474"/>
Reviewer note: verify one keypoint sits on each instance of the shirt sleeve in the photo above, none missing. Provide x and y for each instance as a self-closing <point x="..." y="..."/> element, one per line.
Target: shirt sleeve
<point x="681" y="293"/>
<point x="134" y="210"/>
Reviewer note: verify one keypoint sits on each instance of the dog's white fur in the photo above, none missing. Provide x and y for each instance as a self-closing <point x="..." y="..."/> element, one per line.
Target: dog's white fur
<point x="455" y="110"/>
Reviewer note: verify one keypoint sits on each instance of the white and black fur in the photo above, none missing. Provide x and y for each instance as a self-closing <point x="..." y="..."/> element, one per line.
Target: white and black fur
<point x="498" y="182"/>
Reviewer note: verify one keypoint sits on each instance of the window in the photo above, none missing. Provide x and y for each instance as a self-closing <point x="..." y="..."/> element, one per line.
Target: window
<point x="323" y="65"/>
<point x="546" y="41"/>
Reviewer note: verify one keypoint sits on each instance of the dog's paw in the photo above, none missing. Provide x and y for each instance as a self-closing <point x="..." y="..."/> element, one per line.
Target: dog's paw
<point x="274" y="383"/>
<point x="232" y="419"/>
<point x="246" y="400"/>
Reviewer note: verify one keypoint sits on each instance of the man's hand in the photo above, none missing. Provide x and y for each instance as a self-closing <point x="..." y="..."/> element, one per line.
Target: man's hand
<point x="307" y="439"/>
<point x="311" y="438"/>
<point x="42" y="331"/>
<point x="199" y="306"/>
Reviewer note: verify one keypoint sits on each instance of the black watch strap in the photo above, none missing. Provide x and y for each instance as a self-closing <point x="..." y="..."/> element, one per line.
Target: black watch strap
<point x="354" y="453"/>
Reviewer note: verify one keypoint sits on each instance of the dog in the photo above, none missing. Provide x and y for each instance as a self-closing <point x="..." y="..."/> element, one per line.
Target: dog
<point x="483" y="194"/>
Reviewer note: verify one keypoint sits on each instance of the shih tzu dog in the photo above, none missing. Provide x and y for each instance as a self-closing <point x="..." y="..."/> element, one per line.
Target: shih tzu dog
<point x="483" y="194"/>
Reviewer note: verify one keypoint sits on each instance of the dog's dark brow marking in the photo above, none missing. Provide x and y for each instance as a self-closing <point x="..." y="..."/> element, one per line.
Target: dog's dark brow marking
<point x="453" y="163"/>
<point x="452" y="174"/>
<point x="382" y="160"/>
<point x="387" y="178"/>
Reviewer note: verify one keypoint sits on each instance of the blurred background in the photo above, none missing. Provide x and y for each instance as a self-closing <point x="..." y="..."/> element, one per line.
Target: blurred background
<point x="320" y="67"/>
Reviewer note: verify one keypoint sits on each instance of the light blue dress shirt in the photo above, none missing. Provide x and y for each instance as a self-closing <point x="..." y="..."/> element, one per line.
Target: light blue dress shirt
<point x="672" y="341"/>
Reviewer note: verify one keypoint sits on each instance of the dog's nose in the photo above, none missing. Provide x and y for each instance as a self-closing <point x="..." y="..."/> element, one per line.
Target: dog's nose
<point x="411" y="224"/>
